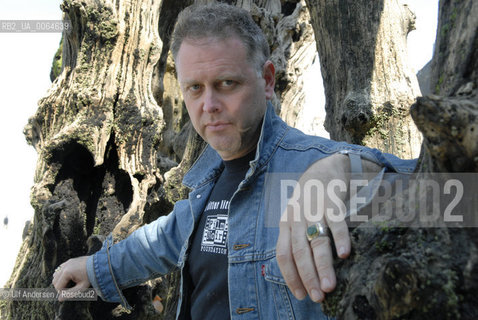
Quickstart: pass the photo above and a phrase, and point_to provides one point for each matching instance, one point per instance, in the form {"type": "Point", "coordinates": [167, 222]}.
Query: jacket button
{"type": "Point", "coordinates": [198, 196]}
{"type": "Point", "coordinates": [240, 246]}
{"type": "Point", "coordinates": [244, 310]}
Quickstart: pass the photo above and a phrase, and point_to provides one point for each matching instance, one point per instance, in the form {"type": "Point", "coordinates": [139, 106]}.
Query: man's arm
{"type": "Point", "coordinates": [150, 251]}
{"type": "Point", "coordinates": [307, 267]}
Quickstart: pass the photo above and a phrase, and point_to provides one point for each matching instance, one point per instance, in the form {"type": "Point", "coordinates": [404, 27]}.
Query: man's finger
{"type": "Point", "coordinates": [286, 264]}
{"type": "Point", "coordinates": [60, 280]}
{"type": "Point", "coordinates": [324, 262]}
{"type": "Point", "coordinates": [341, 236]}
{"type": "Point", "coordinates": [304, 262]}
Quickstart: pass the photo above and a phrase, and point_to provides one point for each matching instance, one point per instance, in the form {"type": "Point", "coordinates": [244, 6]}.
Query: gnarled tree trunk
{"type": "Point", "coordinates": [430, 270]}
{"type": "Point", "coordinates": [368, 84]}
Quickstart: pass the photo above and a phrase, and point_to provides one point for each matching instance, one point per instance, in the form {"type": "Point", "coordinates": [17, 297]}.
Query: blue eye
{"type": "Point", "coordinates": [195, 87]}
{"type": "Point", "coordinates": [227, 84]}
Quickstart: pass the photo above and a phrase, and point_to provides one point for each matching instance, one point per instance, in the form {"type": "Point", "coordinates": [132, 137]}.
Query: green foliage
{"type": "Point", "coordinates": [439, 83]}
{"type": "Point", "coordinates": [57, 62]}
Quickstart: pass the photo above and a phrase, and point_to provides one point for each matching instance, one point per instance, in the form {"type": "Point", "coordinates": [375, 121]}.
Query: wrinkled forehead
{"type": "Point", "coordinates": [209, 40]}
{"type": "Point", "coordinates": [212, 57]}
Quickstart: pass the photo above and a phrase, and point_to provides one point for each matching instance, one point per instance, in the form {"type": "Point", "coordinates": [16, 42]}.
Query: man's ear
{"type": "Point", "coordinates": [269, 75]}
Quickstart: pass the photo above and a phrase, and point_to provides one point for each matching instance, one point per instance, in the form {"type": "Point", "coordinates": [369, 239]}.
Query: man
{"type": "Point", "coordinates": [235, 259]}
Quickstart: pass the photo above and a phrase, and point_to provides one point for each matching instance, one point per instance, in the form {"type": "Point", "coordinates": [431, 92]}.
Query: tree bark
{"type": "Point", "coordinates": [102, 155]}
{"type": "Point", "coordinates": [297, 45]}
{"type": "Point", "coordinates": [368, 84]}
{"type": "Point", "coordinates": [455, 60]}
{"type": "Point", "coordinates": [423, 269]}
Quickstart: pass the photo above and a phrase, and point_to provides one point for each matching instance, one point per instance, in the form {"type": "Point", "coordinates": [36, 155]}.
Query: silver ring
{"type": "Point", "coordinates": [316, 230]}
{"type": "Point", "coordinates": [58, 269]}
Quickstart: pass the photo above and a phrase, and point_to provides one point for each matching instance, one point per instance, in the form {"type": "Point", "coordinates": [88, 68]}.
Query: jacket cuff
{"type": "Point", "coordinates": [102, 275]}
{"type": "Point", "coordinates": [90, 270]}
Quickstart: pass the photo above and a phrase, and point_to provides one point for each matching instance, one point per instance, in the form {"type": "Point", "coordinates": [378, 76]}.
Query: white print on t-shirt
{"type": "Point", "coordinates": [217, 205]}
{"type": "Point", "coordinates": [214, 237]}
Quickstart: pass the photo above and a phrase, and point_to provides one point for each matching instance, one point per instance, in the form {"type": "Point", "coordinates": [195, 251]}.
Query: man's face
{"type": "Point", "coordinates": [224, 95]}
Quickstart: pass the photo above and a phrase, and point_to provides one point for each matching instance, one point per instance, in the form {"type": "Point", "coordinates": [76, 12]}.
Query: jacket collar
{"type": "Point", "coordinates": [209, 164]}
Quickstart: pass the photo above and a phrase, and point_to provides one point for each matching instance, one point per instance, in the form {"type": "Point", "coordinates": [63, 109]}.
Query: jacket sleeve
{"type": "Point", "coordinates": [151, 251]}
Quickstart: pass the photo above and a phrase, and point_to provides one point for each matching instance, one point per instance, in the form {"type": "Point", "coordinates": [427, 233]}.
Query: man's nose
{"type": "Point", "coordinates": [211, 102]}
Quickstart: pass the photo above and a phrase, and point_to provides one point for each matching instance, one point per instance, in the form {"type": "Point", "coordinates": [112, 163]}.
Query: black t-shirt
{"type": "Point", "coordinates": [207, 261]}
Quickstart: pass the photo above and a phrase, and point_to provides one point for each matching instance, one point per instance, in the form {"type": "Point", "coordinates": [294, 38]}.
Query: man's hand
{"type": "Point", "coordinates": [307, 267]}
{"type": "Point", "coordinates": [73, 270]}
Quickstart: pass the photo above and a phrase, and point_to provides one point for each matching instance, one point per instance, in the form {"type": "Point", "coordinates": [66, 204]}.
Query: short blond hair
{"type": "Point", "coordinates": [221, 21]}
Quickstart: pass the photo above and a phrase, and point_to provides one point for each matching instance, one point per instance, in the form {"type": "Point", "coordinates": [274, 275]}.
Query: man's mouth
{"type": "Point", "coordinates": [217, 126]}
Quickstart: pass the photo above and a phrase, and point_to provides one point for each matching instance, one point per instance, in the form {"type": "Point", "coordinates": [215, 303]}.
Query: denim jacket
{"type": "Point", "coordinates": [257, 289]}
